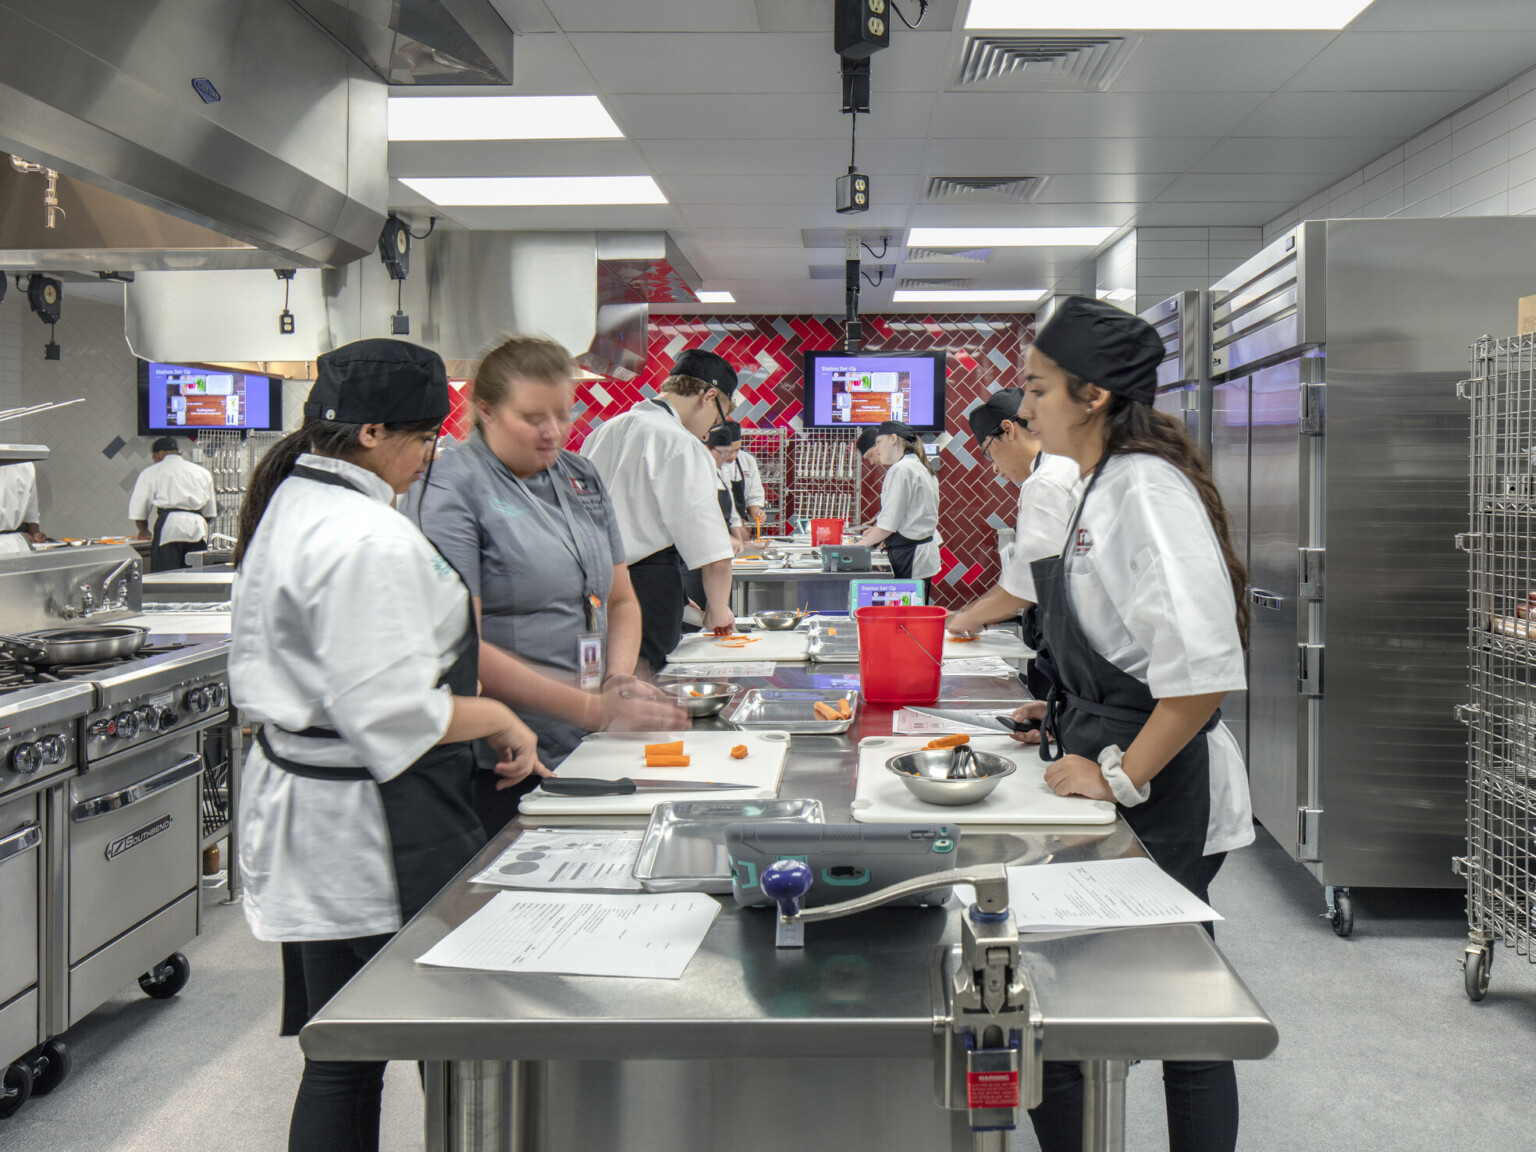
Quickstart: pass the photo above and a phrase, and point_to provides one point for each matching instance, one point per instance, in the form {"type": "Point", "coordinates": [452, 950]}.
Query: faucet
{"type": "Point", "coordinates": [88, 606]}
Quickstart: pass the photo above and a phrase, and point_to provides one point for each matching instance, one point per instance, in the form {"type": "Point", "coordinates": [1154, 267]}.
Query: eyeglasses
{"type": "Point", "coordinates": [986, 447]}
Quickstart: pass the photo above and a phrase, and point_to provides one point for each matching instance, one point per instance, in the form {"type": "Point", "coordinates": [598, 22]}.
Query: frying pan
{"type": "Point", "coordinates": [87, 645]}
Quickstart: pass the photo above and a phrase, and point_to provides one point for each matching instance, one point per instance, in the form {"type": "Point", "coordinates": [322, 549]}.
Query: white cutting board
{"type": "Point", "coordinates": [699, 648]}
{"type": "Point", "coordinates": [613, 755]}
{"type": "Point", "coordinates": [1023, 798]}
{"type": "Point", "coordinates": [1003, 645]}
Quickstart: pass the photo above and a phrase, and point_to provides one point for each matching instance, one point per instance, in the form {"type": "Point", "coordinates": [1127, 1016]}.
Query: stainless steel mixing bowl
{"type": "Point", "coordinates": [713, 695]}
{"type": "Point", "coordinates": [927, 774]}
{"type": "Point", "coordinates": [783, 620]}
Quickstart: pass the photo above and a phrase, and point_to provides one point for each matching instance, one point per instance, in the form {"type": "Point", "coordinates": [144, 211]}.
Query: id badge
{"type": "Point", "coordinates": [589, 660]}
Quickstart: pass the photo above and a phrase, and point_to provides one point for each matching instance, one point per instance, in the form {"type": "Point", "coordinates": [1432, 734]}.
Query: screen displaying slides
{"type": "Point", "coordinates": [194, 398]}
{"type": "Point", "coordinates": [858, 390]}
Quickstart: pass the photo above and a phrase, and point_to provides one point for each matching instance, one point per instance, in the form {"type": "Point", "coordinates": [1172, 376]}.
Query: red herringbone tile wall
{"type": "Point", "coordinates": [985, 353]}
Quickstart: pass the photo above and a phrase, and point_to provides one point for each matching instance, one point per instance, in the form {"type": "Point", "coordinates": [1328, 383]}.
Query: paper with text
{"type": "Point", "coordinates": [1100, 894]}
{"type": "Point", "coordinates": [648, 936]}
{"type": "Point", "coordinates": [575, 860]}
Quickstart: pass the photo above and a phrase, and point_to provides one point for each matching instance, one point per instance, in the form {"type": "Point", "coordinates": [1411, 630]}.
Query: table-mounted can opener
{"type": "Point", "coordinates": [988, 1027]}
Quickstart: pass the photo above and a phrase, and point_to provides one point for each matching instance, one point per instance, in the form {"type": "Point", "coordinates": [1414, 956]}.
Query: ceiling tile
{"type": "Point", "coordinates": [1054, 155]}
{"type": "Point", "coordinates": [1447, 60]}
{"type": "Point", "coordinates": [1022, 114]}
{"type": "Point", "coordinates": [677, 16]}
{"type": "Point", "coordinates": [1212, 215]}
{"type": "Point", "coordinates": [1398, 114]}
{"type": "Point", "coordinates": [752, 157]}
{"type": "Point", "coordinates": [1218, 61]}
{"type": "Point", "coordinates": [1021, 215]}
{"type": "Point", "coordinates": [1445, 16]}
{"type": "Point", "coordinates": [730, 188]}
{"type": "Point", "coordinates": [635, 216]}
{"type": "Point", "coordinates": [1228, 186]}
{"type": "Point", "coordinates": [765, 116]}
{"type": "Point", "coordinates": [1293, 154]}
{"type": "Point", "coordinates": [790, 215]}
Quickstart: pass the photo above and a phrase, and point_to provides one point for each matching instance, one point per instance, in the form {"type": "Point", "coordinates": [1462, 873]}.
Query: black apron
{"type": "Point", "coordinates": [693, 578]}
{"type": "Point", "coordinates": [902, 551]}
{"type": "Point", "coordinates": [1091, 704]}
{"type": "Point", "coordinates": [168, 557]}
{"type": "Point", "coordinates": [738, 489]}
{"type": "Point", "coordinates": [428, 808]}
{"type": "Point", "coordinates": [658, 583]}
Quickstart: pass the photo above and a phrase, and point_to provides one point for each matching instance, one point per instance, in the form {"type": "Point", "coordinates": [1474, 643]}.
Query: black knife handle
{"type": "Point", "coordinates": [1018, 725]}
{"type": "Point", "coordinates": [586, 786]}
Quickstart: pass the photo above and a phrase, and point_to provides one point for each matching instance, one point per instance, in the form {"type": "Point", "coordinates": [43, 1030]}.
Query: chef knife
{"type": "Point", "coordinates": [624, 786]}
{"type": "Point", "coordinates": [978, 720]}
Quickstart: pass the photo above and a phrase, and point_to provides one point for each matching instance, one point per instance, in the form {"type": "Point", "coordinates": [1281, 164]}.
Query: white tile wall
{"type": "Point", "coordinates": [1169, 260]}
{"type": "Point", "coordinates": [1480, 161]}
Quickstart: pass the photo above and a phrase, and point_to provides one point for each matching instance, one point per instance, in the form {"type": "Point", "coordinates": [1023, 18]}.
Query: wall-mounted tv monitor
{"type": "Point", "coordinates": [184, 399]}
{"type": "Point", "coordinates": [856, 390]}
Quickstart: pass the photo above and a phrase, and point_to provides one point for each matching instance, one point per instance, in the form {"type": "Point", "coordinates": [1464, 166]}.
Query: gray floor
{"type": "Point", "coordinates": [1380, 1049]}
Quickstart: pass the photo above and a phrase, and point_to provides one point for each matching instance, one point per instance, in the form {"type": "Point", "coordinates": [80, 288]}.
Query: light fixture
{"type": "Point", "coordinates": [530, 191]}
{"type": "Point", "coordinates": [500, 118]}
{"type": "Point", "coordinates": [1008, 237]}
{"type": "Point", "coordinates": [1168, 15]}
{"type": "Point", "coordinates": [715, 298]}
{"type": "Point", "coordinates": [966, 295]}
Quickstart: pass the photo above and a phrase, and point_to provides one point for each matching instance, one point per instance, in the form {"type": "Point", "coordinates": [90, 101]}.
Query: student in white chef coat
{"type": "Point", "coordinates": [354, 653]}
{"type": "Point", "coordinates": [176, 497]}
{"type": "Point", "coordinates": [1046, 502]}
{"type": "Point", "coordinates": [664, 484]}
{"type": "Point", "coordinates": [908, 524]}
{"type": "Point", "coordinates": [1142, 613]}
{"type": "Point", "coordinates": [738, 468]}
{"type": "Point", "coordinates": [19, 527]}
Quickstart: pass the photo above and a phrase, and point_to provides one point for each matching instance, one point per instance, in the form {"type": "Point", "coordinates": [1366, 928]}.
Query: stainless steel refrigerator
{"type": "Point", "coordinates": [1183, 378]}
{"type": "Point", "coordinates": [1340, 447]}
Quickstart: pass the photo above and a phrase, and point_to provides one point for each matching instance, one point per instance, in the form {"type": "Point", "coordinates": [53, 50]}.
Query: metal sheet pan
{"type": "Point", "coordinates": [684, 845]}
{"type": "Point", "coordinates": [790, 710]}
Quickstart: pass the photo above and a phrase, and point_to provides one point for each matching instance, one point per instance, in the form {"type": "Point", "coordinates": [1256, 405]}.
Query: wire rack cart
{"type": "Point", "coordinates": [1501, 714]}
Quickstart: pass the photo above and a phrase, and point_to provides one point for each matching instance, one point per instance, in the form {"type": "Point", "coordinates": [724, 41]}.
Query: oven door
{"type": "Point", "coordinates": [21, 837]}
{"type": "Point", "coordinates": [133, 843]}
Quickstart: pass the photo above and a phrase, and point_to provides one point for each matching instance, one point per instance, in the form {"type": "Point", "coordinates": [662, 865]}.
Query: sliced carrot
{"type": "Point", "coordinates": [739, 752]}
{"type": "Point", "coordinates": [831, 631]}
{"type": "Point", "coordinates": [964, 639]}
{"type": "Point", "coordinates": [844, 709]}
{"type": "Point", "coordinates": [694, 692]}
{"type": "Point", "coordinates": [675, 748]}
{"type": "Point", "coordinates": [947, 742]}
{"type": "Point", "coordinates": [826, 711]}
{"type": "Point", "coordinates": [667, 761]}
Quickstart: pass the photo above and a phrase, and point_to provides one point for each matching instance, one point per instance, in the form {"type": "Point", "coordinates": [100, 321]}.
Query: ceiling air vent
{"type": "Point", "coordinates": [985, 189]}
{"type": "Point", "coordinates": [947, 255]}
{"type": "Point", "coordinates": [1042, 63]}
{"type": "Point", "coordinates": [933, 285]}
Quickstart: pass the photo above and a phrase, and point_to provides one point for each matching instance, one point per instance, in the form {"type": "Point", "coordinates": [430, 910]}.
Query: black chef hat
{"type": "Point", "coordinates": [379, 382]}
{"type": "Point", "coordinates": [866, 439]}
{"type": "Point", "coordinates": [987, 418]}
{"type": "Point", "coordinates": [708, 367]}
{"type": "Point", "coordinates": [723, 435]}
{"type": "Point", "coordinates": [1104, 345]}
{"type": "Point", "coordinates": [165, 444]}
{"type": "Point", "coordinates": [898, 429]}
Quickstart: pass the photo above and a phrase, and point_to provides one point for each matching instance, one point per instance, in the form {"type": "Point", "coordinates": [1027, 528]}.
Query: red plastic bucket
{"type": "Point", "coordinates": [827, 531]}
{"type": "Point", "coordinates": [900, 654]}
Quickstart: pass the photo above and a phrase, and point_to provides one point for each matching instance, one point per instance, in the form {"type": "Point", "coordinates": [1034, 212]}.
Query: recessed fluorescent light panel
{"type": "Point", "coordinates": [1008, 237]}
{"type": "Point", "coordinates": [1166, 15]}
{"type": "Point", "coordinates": [715, 298]}
{"type": "Point", "coordinates": [967, 296]}
{"type": "Point", "coordinates": [532, 191]}
{"type": "Point", "coordinates": [500, 118]}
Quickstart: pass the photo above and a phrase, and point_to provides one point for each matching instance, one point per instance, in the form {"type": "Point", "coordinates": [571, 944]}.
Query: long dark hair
{"type": "Point", "coordinates": [317, 437]}
{"type": "Point", "coordinates": [1130, 426]}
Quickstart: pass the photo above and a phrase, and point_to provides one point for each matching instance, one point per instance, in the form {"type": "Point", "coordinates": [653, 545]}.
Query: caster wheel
{"type": "Point", "coordinates": [167, 978]}
{"type": "Point", "coordinates": [15, 1088]}
{"type": "Point", "coordinates": [1477, 965]}
{"type": "Point", "coordinates": [1343, 916]}
{"type": "Point", "coordinates": [51, 1065]}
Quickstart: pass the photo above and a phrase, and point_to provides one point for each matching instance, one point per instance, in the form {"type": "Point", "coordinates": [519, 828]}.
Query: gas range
{"type": "Point", "coordinates": [40, 734]}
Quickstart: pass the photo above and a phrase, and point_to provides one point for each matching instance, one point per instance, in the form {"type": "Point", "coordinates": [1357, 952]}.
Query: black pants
{"type": "Point", "coordinates": [658, 584]}
{"type": "Point", "coordinates": [337, 1108]}
{"type": "Point", "coordinates": [1201, 1097]}
{"type": "Point", "coordinates": [497, 809]}
{"type": "Point", "coordinates": [171, 557]}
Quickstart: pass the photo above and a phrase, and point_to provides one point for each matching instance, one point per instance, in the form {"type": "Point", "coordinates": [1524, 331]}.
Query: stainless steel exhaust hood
{"type": "Point", "coordinates": [591, 291]}
{"type": "Point", "coordinates": [186, 135]}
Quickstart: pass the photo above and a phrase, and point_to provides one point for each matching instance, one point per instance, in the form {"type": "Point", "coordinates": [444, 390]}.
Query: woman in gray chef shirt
{"type": "Point", "coordinates": [530, 529]}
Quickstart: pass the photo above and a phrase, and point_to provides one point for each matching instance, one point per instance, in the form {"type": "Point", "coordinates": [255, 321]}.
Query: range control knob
{"type": "Point", "coordinates": [196, 700]}
{"type": "Point", "coordinates": [219, 694]}
{"type": "Point", "coordinates": [125, 725]}
{"type": "Point", "coordinates": [26, 758]}
{"type": "Point", "coordinates": [54, 749]}
{"type": "Point", "coordinates": [148, 717]}
{"type": "Point", "coordinates": [168, 719]}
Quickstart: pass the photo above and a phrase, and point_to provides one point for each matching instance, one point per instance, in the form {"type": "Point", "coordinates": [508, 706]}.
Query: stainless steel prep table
{"type": "Point", "coordinates": [759, 1049]}
{"type": "Point", "coordinates": [771, 589]}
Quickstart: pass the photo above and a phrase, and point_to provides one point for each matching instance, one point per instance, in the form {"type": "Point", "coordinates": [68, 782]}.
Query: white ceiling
{"type": "Point", "coordinates": [733, 106]}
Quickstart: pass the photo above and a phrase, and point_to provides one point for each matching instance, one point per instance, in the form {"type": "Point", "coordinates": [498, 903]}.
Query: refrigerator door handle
{"type": "Point", "coordinates": [1262, 599]}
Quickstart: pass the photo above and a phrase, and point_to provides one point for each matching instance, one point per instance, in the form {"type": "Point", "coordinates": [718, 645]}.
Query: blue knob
{"type": "Point", "coordinates": [785, 882]}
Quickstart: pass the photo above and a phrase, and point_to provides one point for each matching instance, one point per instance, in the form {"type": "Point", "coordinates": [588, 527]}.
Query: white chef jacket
{"type": "Point", "coordinates": [1047, 499]}
{"type": "Point", "coordinates": [663, 482]}
{"type": "Point", "coordinates": [1153, 596]}
{"type": "Point", "coordinates": [18, 505]}
{"type": "Point", "coordinates": [909, 504]}
{"type": "Point", "coordinates": [345, 617]}
{"type": "Point", "coordinates": [179, 484]}
{"type": "Point", "coordinates": [752, 478]}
